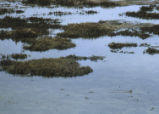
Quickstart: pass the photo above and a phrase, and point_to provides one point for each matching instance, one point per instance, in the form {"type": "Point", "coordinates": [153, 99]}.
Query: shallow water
{"type": "Point", "coordinates": [120, 84]}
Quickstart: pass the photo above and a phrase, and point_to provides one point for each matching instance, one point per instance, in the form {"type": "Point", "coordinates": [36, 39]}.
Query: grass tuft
{"type": "Point", "coordinates": [60, 67]}
{"type": "Point", "coordinates": [47, 43]}
{"type": "Point", "coordinates": [18, 56]}
{"type": "Point", "coordinates": [152, 51]}
{"type": "Point", "coordinates": [114, 45]}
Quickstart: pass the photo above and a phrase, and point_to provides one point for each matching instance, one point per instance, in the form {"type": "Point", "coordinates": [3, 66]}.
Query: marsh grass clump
{"type": "Point", "coordinates": [57, 67]}
{"type": "Point", "coordinates": [4, 11]}
{"type": "Point", "coordinates": [85, 30]}
{"type": "Point", "coordinates": [152, 29]}
{"type": "Point", "coordinates": [32, 22]}
{"type": "Point", "coordinates": [116, 50]}
{"type": "Point", "coordinates": [23, 35]}
{"type": "Point", "coordinates": [26, 29]}
{"type": "Point", "coordinates": [19, 11]}
{"type": "Point", "coordinates": [60, 13]}
{"type": "Point", "coordinates": [4, 34]}
{"type": "Point", "coordinates": [104, 28]}
{"type": "Point", "coordinates": [143, 15]}
{"type": "Point", "coordinates": [47, 43]}
{"type": "Point", "coordinates": [73, 3]}
{"type": "Point", "coordinates": [147, 8]}
{"type": "Point", "coordinates": [43, 21]}
{"type": "Point", "coordinates": [92, 58]}
{"type": "Point", "coordinates": [133, 33]}
{"type": "Point", "coordinates": [145, 45]}
{"type": "Point", "coordinates": [91, 12]}
{"type": "Point", "coordinates": [145, 12]}
{"type": "Point", "coordinates": [18, 56]}
{"type": "Point", "coordinates": [157, 8]}
{"type": "Point", "coordinates": [12, 22]}
{"type": "Point", "coordinates": [108, 4]}
{"type": "Point", "coordinates": [86, 3]}
{"type": "Point", "coordinates": [152, 51]}
{"type": "Point", "coordinates": [114, 45]}
{"type": "Point", "coordinates": [38, 2]}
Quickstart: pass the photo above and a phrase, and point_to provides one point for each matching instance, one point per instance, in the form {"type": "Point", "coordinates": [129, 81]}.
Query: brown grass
{"type": "Point", "coordinates": [47, 43]}
{"type": "Point", "coordinates": [61, 67]}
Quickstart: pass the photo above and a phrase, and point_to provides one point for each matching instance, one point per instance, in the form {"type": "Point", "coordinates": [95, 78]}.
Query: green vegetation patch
{"type": "Point", "coordinates": [92, 58]}
{"type": "Point", "coordinates": [58, 67]}
{"type": "Point", "coordinates": [19, 11]}
{"type": "Point", "coordinates": [145, 45]}
{"type": "Point", "coordinates": [152, 51]}
{"type": "Point", "coordinates": [60, 13]}
{"type": "Point", "coordinates": [47, 43]}
{"type": "Point", "coordinates": [85, 30]}
{"type": "Point", "coordinates": [32, 22]}
{"type": "Point", "coordinates": [4, 11]}
{"type": "Point", "coordinates": [114, 45]}
{"type": "Point", "coordinates": [90, 3]}
{"type": "Point", "coordinates": [91, 12]}
{"type": "Point", "coordinates": [151, 29]}
{"type": "Point", "coordinates": [145, 12]}
{"type": "Point", "coordinates": [102, 28]}
{"type": "Point", "coordinates": [73, 3]}
{"type": "Point", "coordinates": [38, 2]}
{"type": "Point", "coordinates": [19, 56]}
{"type": "Point", "coordinates": [133, 32]}
{"type": "Point", "coordinates": [26, 29]}
{"type": "Point", "coordinates": [23, 35]}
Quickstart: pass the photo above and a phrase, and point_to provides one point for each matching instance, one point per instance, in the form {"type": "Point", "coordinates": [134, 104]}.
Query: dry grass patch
{"type": "Point", "coordinates": [152, 51]}
{"type": "Point", "coordinates": [47, 43]}
{"type": "Point", "coordinates": [102, 28]}
{"type": "Point", "coordinates": [73, 3]}
{"type": "Point", "coordinates": [60, 67]}
{"type": "Point", "coordinates": [19, 56]}
{"type": "Point", "coordinates": [114, 45]}
{"type": "Point", "coordinates": [145, 12]}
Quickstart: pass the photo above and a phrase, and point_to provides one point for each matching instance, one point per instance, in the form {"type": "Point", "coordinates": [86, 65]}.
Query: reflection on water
{"type": "Point", "coordinates": [103, 91]}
